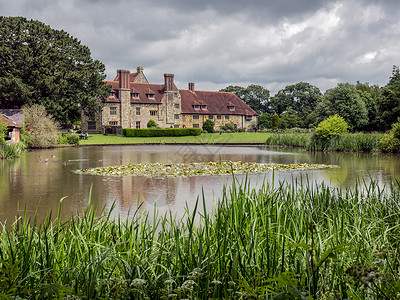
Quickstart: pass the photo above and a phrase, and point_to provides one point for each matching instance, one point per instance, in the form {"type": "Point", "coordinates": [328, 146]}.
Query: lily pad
{"type": "Point", "coordinates": [195, 169]}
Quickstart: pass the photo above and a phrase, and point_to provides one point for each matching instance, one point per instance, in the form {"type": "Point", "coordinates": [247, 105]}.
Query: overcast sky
{"type": "Point", "coordinates": [216, 43]}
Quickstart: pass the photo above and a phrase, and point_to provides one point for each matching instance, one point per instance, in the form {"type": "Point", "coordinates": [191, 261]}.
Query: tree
{"type": "Point", "coordinates": [255, 96]}
{"type": "Point", "coordinates": [345, 101]}
{"type": "Point", "coordinates": [208, 126]}
{"type": "Point", "coordinates": [151, 124]}
{"type": "Point", "coordinates": [291, 119]}
{"type": "Point", "coordinates": [302, 97]}
{"type": "Point", "coordinates": [265, 121]}
{"type": "Point", "coordinates": [41, 65]}
{"type": "Point", "coordinates": [388, 105]}
{"type": "Point", "coordinates": [370, 95]}
{"type": "Point", "coordinates": [332, 126]}
{"type": "Point", "coordinates": [275, 121]}
{"type": "Point", "coordinates": [44, 130]}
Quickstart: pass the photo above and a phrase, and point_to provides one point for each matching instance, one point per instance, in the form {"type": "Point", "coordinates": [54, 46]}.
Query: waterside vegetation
{"type": "Point", "coordinates": [283, 241]}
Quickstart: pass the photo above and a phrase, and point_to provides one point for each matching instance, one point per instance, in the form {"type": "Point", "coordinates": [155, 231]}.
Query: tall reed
{"type": "Point", "coordinates": [288, 239]}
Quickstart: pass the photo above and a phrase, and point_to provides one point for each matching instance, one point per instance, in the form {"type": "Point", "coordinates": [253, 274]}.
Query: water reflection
{"type": "Point", "coordinates": [39, 179]}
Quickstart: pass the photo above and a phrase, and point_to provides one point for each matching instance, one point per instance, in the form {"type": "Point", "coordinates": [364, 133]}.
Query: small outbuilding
{"type": "Point", "coordinates": [14, 130]}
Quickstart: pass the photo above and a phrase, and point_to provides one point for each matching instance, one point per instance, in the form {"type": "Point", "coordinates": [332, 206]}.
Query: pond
{"type": "Point", "coordinates": [40, 178]}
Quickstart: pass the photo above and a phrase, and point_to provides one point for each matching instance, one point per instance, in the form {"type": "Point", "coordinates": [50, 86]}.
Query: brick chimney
{"type": "Point", "coordinates": [123, 76]}
{"type": "Point", "coordinates": [169, 82]}
{"type": "Point", "coordinates": [191, 86]}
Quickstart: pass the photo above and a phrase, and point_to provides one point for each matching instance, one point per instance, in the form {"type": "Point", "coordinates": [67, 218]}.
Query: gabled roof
{"type": "Point", "coordinates": [217, 103]}
{"type": "Point", "coordinates": [143, 89]}
{"type": "Point", "coordinates": [9, 122]}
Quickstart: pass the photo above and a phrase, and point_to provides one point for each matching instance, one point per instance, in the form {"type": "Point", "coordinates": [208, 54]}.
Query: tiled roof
{"type": "Point", "coordinates": [217, 103]}
{"type": "Point", "coordinates": [10, 123]}
{"type": "Point", "coordinates": [143, 89]}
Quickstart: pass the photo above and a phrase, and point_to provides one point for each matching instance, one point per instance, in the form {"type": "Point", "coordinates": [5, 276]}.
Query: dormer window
{"type": "Point", "coordinates": [112, 94]}
{"type": "Point", "coordinates": [135, 95]}
{"type": "Point", "coordinates": [204, 107]}
{"type": "Point", "coordinates": [196, 106]}
{"type": "Point", "coordinates": [151, 96]}
{"type": "Point", "coordinates": [231, 108]}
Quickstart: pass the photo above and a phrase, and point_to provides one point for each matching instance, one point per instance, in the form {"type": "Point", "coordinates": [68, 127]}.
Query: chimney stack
{"type": "Point", "coordinates": [123, 76]}
{"type": "Point", "coordinates": [191, 86]}
{"type": "Point", "coordinates": [169, 81]}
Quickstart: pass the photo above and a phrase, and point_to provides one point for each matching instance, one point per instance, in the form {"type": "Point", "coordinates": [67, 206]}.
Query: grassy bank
{"type": "Point", "coordinates": [205, 138]}
{"type": "Point", "coordinates": [352, 142]}
{"type": "Point", "coordinates": [290, 241]}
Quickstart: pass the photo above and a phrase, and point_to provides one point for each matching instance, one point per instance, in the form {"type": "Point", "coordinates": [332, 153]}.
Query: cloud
{"type": "Point", "coordinates": [218, 43]}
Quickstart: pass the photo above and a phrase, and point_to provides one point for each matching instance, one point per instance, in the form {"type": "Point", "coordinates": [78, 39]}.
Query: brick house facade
{"type": "Point", "coordinates": [133, 101]}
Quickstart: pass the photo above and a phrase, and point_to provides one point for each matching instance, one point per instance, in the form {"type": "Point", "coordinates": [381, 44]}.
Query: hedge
{"type": "Point", "coordinates": [153, 132]}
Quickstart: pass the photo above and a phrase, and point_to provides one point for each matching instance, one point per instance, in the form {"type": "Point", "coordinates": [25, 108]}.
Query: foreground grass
{"type": "Point", "coordinates": [205, 138]}
{"type": "Point", "coordinates": [284, 242]}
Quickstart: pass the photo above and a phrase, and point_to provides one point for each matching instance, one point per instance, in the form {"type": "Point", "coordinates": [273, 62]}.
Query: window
{"type": "Point", "coordinates": [138, 124]}
{"type": "Point", "coordinates": [135, 95]}
{"type": "Point", "coordinates": [113, 123]}
{"type": "Point", "coordinates": [113, 110]}
{"type": "Point", "coordinates": [204, 107]}
{"type": "Point", "coordinates": [151, 96]}
{"type": "Point", "coordinates": [196, 126]}
{"type": "Point", "coordinates": [176, 126]}
{"type": "Point", "coordinates": [248, 118]}
{"type": "Point", "coordinates": [219, 117]}
{"type": "Point", "coordinates": [176, 105]}
{"type": "Point", "coordinates": [196, 117]}
{"type": "Point", "coordinates": [153, 113]}
{"type": "Point", "coordinates": [176, 116]}
{"type": "Point", "coordinates": [138, 111]}
{"type": "Point", "coordinates": [91, 125]}
{"type": "Point", "coordinates": [196, 107]}
{"type": "Point", "coordinates": [227, 117]}
{"type": "Point", "coordinates": [112, 94]}
{"type": "Point", "coordinates": [231, 108]}
{"type": "Point", "coordinates": [210, 117]}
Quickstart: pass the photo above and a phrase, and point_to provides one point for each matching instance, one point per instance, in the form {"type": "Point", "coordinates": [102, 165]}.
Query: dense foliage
{"type": "Point", "coordinates": [151, 124]}
{"type": "Point", "coordinates": [208, 126]}
{"type": "Point", "coordinates": [42, 127]}
{"type": "Point", "coordinates": [41, 65]}
{"type": "Point", "coordinates": [151, 132]}
{"type": "Point", "coordinates": [333, 126]}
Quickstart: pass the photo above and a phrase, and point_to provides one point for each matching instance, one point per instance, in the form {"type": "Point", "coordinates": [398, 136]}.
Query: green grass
{"type": "Point", "coordinates": [293, 241]}
{"type": "Point", "coordinates": [205, 138]}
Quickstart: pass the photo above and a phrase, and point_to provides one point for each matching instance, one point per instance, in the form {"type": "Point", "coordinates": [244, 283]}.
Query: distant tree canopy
{"type": "Point", "coordinates": [41, 65]}
{"type": "Point", "coordinates": [255, 96]}
{"type": "Point", "coordinates": [301, 99]}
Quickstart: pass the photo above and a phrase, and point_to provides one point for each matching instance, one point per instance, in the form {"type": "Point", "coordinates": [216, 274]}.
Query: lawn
{"type": "Point", "coordinates": [205, 138]}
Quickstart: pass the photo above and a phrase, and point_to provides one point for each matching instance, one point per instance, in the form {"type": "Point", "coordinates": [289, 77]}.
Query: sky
{"type": "Point", "coordinates": [217, 43]}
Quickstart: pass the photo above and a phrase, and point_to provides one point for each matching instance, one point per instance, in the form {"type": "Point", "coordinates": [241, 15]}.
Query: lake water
{"type": "Point", "coordinates": [39, 179]}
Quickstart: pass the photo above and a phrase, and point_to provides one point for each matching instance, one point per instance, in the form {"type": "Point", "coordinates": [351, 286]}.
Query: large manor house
{"type": "Point", "coordinates": [134, 101]}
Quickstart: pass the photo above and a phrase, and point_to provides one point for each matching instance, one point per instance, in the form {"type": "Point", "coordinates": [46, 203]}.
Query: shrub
{"type": "Point", "coordinates": [44, 130]}
{"type": "Point", "coordinates": [209, 126]}
{"type": "Point", "coordinates": [275, 121]}
{"type": "Point", "coordinates": [154, 132]}
{"type": "Point", "coordinates": [396, 129]}
{"type": "Point", "coordinates": [3, 132]}
{"type": "Point", "coordinates": [151, 124]}
{"type": "Point", "coordinates": [68, 139]}
{"type": "Point", "coordinates": [332, 126]}
{"type": "Point", "coordinates": [391, 142]}
{"type": "Point", "coordinates": [229, 127]}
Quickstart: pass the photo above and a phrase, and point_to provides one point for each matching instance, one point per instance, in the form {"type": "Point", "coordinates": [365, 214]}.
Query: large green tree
{"type": "Point", "coordinates": [345, 101]}
{"type": "Point", "coordinates": [370, 95]}
{"type": "Point", "coordinates": [41, 65]}
{"type": "Point", "coordinates": [388, 105]}
{"type": "Point", "coordinates": [255, 96]}
{"type": "Point", "coordinates": [301, 97]}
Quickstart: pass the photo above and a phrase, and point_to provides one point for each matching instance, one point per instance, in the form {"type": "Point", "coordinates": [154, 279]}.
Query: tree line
{"type": "Point", "coordinates": [363, 106]}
